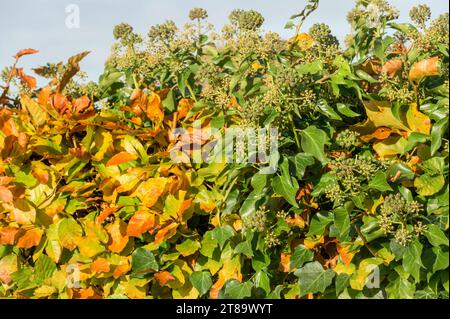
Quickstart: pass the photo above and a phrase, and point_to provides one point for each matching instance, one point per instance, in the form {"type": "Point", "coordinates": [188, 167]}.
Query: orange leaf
{"type": "Point", "coordinates": [122, 268]}
{"type": "Point", "coordinates": [6, 195]}
{"type": "Point", "coordinates": [424, 68]}
{"type": "Point", "coordinates": [85, 293]}
{"type": "Point", "coordinates": [163, 277]}
{"type": "Point", "coordinates": [81, 104]}
{"type": "Point", "coordinates": [105, 213]}
{"type": "Point", "coordinates": [380, 133]}
{"type": "Point", "coordinates": [345, 254]}
{"type": "Point", "coordinates": [184, 106]}
{"type": "Point", "coordinates": [8, 235]}
{"type": "Point", "coordinates": [141, 222]}
{"type": "Point", "coordinates": [285, 260]}
{"type": "Point", "coordinates": [166, 233]}
{"type": "Point", "coordinates": [118, 236]}
{"type": "Point", "coordinates": [25, 52]}
{"type": "Point", "coordinates": [154, 108]}
{"type": "Point", "coordinates": [100, 265]}
{"type": "Point", "coordinates": [31, 238]}
{"type": "Point", "coordinates": [392, 67]}
{"type": "Point", "coordinates": [121, 158]}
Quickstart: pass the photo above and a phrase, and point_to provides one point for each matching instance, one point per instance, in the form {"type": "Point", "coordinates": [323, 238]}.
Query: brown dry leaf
{"type": "Point", "coordinates": [121, 158]}
{"type": "Point", "coordinates": [163, 277]}
{"type": "Point", "coordinates": [100, 265]}
{"type": "Point", "coordinates": [73, 68]}
{"type": "Point", "coordinates": [25, 52]}
{"type": "Point", "coordinates": [424, 68]}
{"type": "Point", "coordinates": [31, 238]}
{"type": "Point", "coordinates": [392, 67]}
{"type": "Point", "coordinates": [141, 222]}
{"type": "Point", "coordinates": [118, 236]}
{"type": "Point", "coordinates": [8, 235]}
{"type": "Point", "coordinates": [6, 195]}
{"type": "Point", "coordinates": [61, 103]}
{"type": "Point", "coordinates": [81, 104]}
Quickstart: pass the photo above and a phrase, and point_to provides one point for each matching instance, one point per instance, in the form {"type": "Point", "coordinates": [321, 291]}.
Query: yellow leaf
{"type": "Point", "coordinates": [38, 114]}
{"type": "Point", "coordinates": [417, 121]}
{"type": "Point", "coordinates": [390, 147]}
{"type": "Point", "coordinates": [150, 190]}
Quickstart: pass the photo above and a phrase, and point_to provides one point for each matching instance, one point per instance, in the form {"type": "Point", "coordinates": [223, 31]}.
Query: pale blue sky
{"type": "Point", "coordinates": [40, 24]}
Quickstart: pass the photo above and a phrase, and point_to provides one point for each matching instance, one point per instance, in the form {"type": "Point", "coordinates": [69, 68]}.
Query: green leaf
{"type": "Point", "coordinates": [341, 222]}
{"type": "Point", "coordinates": [313, 278]}
{"type": "Point", "coordinates": [300, 162]}
{"type": "Point", "coordinates": [313, 141]}
{"type": "Point", "coordinates": [262, 280]}
{"type": "Point", "coordinates": [237, 290]}
{"type": "Point", "coordinates": [143, 261]}
{"type": "Point", "coordinates": [222, 234]}
{"type": "Point", "coordinates": [201, 280]}
{"type": "Point", "coordinates": [285, 185]}
{"type": "Point", "coordinates": [412, 261]}
{"type": "Point", "coordinates": [437, 131]}
{"type": "Point", "coordinates": [379, 182]}
{"type": "Point", "coordinates": [245, 248]}
{"type": "Point", "coordinates": [44, 268]}
{"type": "Point", "coordinates": [406, 173]}
{"type": "Point", "coordinates": [441, 261]}
{"type": "Point", "coordinates": [436, 236]}
{"type": "Point", "coordinates": [188, 247]}
{"type": "Point", "coordinates": [327, 110]}
{"type": "Point", "coordinates": [346, 110]}
{"type": "Point", "coordinates": [319, 222]}
{"type": "Point", "coordinates": [300, 256]}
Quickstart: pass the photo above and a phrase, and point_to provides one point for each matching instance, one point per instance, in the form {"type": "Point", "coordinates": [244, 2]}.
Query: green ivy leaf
{"type": "Point", "coordinates": [300, 256]}
{"type": "Point", "coordinates": [313, 278]}
{"type": "Point", "coordinates": [201, 280]}
{"type": "Point", "coordinates": [412, 261]}
{"type": "Point", "coordinates": [436, 236]}
{"type": "Point", "coordinates": [313, 141]}
{"type": "Point", "coordinates": [222, 234]}
{"type": "Point", "coordinates": [379, 182]}
{"type": "Point", "coordinates": [143, 261]}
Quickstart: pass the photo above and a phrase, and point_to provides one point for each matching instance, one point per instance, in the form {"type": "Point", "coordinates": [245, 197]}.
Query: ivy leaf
{"type": "Point", "coordinates": [201, 280]}
{"type": "Point", "coordinates": [286, 186]}
{"type": "Point", "coordinates": [427, 185]}
{"type": "Point", "coordinates": [188, 247]}
{"type": "Point", "coordinates": [300, 256]}
{"type": "Point", "coordinates": [327, 110]}
{"type": "Point", "coordinates": [222, 234]}
{"type": "Point", "coordinates": [319, 222]}
{"type": "Point", "coordinates": [379, 182]}
{"type": "Point", "coordinates": [143, 261]}
{"type": "Point", "coordinates": [237, 290]}
{"type": "Point", "coordinates": [412, 261]}
{"type": "Point", "coordinates": [313, 278]}
{"type": "Point", "coordinates": [436, 236]}
{"type": "Point", "coordinates": [313, 141]}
